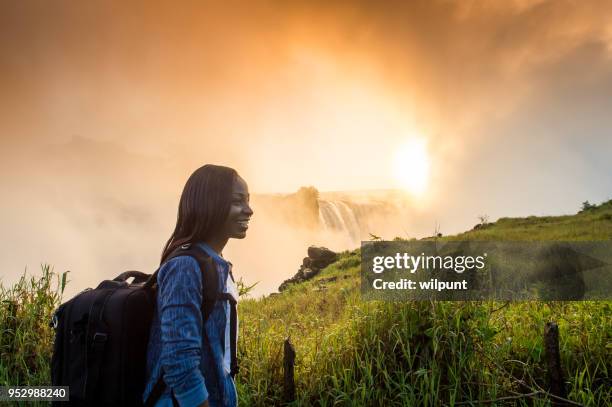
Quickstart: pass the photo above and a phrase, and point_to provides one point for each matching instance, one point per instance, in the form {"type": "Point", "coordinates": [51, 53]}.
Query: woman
{"type": "Point", "coordinates": [193, 357]}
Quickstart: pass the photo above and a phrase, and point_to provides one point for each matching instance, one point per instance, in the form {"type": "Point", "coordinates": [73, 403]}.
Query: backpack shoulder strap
{"type": "Point", "coordinates": [210, 276]}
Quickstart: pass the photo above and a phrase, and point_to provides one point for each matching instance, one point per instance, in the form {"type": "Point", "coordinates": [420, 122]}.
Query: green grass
{"type": "Point", "coordinates": [591, 224]}
{"type": "Point", "coordinates": [351, 352]}
{"type": "Point", "coordinates": [26, 339]}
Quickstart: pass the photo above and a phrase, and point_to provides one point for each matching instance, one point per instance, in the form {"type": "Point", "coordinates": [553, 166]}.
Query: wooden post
{"type": "Point", "coordinates": [556, 384]}
{"type": "Point", "coordinates": [288, 364]}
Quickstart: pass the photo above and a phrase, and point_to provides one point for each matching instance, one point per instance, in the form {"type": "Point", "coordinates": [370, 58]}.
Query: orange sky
{"type": "Point", "coordinates": [105, 104]}
{"type": "Point", "coordinates": [262, 84]}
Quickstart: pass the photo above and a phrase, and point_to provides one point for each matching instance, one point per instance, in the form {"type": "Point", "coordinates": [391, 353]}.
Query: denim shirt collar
{"type": "Point", "coordinates": [218, 259]}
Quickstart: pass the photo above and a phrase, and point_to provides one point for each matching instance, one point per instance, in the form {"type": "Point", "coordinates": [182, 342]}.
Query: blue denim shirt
{"type": "Point", "coordinates": [193, 367]}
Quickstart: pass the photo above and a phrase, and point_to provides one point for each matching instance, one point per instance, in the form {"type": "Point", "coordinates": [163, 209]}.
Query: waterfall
{"type": "Point", "coordinates": [339, 216]}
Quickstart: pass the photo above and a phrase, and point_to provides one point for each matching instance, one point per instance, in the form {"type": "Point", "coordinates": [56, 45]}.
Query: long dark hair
{"type": "Point", "coordinates": [204, 206]}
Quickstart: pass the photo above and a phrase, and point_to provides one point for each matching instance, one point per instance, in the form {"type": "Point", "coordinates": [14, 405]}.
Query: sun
{"type": "Point", "coordinates": [411, 165]}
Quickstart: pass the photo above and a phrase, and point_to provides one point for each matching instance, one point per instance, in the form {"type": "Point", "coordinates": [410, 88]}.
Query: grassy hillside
{"type": "Point", "coordinates": [594, 223]}
{"type": "Point", "coordinates": [351, 352]}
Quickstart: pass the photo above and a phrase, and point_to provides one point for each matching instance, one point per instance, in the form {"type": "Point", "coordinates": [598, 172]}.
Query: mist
{"type": "Point", "coordinates": [107, 107]}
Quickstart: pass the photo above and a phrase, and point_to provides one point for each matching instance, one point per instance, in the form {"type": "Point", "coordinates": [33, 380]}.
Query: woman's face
{"type": "Point", "coordinates": [240, 212]}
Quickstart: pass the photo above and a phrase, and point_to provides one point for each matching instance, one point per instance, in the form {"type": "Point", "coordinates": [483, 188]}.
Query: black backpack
{"type": "Point", "coordinates": [101, 336]}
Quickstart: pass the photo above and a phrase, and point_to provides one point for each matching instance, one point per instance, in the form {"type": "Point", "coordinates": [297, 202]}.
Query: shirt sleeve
{"type": "Point", "coordinates": [179, 301]}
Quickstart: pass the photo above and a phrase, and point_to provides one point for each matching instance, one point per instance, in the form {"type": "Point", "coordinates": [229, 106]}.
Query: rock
{"type": "Point", "coordinates": [322, 253]}
{"type": "Point", "coordinates": [307, 262]}
{"type": "Point", "coordinates": [318, 258]}
{"type": "Point", "coordinates": [320, 263]}
{"type": "Point", "coordinates": [284, 285]}
{"type": "Point", "coordinates": [321, 257]}
{"type": "Point", "coordinates": [310, 273]}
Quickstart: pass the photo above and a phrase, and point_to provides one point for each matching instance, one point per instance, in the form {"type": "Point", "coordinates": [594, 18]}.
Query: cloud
{"type": "Point", "coordinates": [107, 107]}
